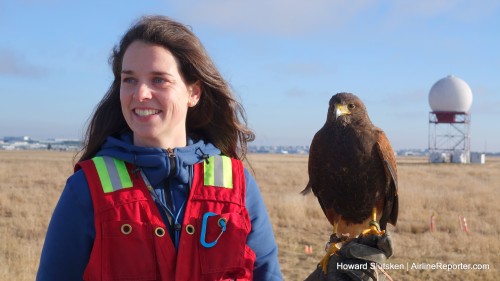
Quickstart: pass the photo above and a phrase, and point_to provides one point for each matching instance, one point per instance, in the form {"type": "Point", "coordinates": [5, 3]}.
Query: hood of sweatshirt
{"type": "Point", "coordinates": [156, 162]}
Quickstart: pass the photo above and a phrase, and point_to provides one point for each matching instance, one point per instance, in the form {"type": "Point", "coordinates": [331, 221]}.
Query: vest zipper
{"type": "Point", "coordinates": [176, 226]}
{"type": "Point", "coordinates": [171, 158]}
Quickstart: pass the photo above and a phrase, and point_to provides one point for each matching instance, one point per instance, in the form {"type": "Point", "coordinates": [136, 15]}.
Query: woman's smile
{"type": "Point", "coordinates": [146, 112]}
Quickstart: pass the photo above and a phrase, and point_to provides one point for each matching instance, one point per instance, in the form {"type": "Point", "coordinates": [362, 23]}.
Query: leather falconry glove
{"type": "Point", "coordinates": [358, 260]}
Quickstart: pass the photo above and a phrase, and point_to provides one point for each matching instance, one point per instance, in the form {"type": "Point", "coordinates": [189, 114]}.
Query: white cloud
{"type": "Point", "coordinates": [299, 69]}
{"type": "Point", "coordinates": [284, 17]}
{"type": "Point", "coordinates": [462, 10]}
{"type": "Point", "coordinates": [299, 17]}
{"type": "Point", "coordinates": [13, 64]}
{"type": "Point", "coordinates": [296, 93]}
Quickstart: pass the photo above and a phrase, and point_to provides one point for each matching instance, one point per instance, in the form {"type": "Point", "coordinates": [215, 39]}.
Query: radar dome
{"type": "Point", "coordinates": [450, 94]}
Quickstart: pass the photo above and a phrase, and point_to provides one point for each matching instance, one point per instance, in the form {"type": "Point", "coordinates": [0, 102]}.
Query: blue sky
{"type": "Point", "coordinates": [283, 58]}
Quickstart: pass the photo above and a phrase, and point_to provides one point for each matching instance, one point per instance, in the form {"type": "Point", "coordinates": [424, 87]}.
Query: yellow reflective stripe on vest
{"type": "Point", "coordinates": [112, 173]}
{"type": "Point", "coordinates": [218, 171]}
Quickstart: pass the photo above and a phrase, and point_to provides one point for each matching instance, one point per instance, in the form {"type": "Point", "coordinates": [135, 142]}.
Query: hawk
{"type": "Point", "coordinates": [352, 171]}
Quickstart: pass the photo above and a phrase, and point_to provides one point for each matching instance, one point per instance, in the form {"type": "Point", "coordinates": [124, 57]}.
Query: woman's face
{"type": "Point", "coordinates": [154, 97]}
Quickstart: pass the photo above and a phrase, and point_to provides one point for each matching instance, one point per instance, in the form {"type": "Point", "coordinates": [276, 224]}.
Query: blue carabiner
{"type": "Point", "coordinates": [222, 225]}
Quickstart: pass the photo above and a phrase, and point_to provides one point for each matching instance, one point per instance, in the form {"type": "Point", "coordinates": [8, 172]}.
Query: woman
{"type": "Point", "coordinates": [159, 192]}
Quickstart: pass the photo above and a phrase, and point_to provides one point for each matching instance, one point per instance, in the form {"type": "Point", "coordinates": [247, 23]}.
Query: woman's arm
{"type": "Point", "coordinates": [261, 238]}
{"type": "Point", "coordinates": [70, 235]}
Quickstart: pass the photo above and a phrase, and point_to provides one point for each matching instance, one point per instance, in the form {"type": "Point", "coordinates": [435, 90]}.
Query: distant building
{"type": "Point", "coordinates": [27, 143]}
{"type": "Point", "coordinates": [476, 157]}
{"type": "Point", "coordinates": [16, 139]}
{"type": "Point", "coordinates": [450, 99]}
{"type": "Point", "coordinates": [280, 149]}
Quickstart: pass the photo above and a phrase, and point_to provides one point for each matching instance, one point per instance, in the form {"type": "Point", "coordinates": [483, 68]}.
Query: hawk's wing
{"type": "Point", "coordinates": [391, 205]}
{"type": "Point", "coordinates": [312, 165]}
{"type": "Point", "coordinates": [316, 168]}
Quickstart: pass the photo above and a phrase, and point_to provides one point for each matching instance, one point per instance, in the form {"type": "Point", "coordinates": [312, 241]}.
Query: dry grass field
{"type": "Point", "coordinates": [31, 182]}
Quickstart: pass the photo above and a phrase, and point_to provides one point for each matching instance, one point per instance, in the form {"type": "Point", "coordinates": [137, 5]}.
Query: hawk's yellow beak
{"type": "Point", "coordinates": [341, 109]}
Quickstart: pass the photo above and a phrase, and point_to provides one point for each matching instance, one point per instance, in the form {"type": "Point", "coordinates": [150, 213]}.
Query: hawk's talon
{"type": "Point", "coordinates": [374, 229]}
{"type": "Point", "coordinates": [374, 226]}
{"type": "Point", "coordinates": [332, 250]}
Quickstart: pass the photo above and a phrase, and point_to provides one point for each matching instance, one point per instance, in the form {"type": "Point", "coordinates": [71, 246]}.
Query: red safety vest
{"type": "Point", "coordinates": [131, 240]}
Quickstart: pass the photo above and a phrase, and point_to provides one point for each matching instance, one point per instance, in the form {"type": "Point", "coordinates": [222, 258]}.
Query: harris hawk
{"type": "Point", "coordinates": [352, 172]}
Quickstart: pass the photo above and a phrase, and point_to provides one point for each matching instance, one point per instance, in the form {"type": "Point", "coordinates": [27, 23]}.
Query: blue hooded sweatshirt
{"type": "Point", "coordinates": [71, 231]}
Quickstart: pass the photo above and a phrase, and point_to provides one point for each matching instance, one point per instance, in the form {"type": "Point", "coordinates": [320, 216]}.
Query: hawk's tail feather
{"type": "Point", "coordinates": [306, 190]}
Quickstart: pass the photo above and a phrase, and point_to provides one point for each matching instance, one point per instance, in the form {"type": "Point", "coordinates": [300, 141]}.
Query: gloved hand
{"type": "Point", "coordinates": [357, 260]}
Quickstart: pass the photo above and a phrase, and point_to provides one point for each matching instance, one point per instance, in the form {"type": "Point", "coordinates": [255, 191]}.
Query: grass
{"type": "Point", "coordinates": [31, 183]}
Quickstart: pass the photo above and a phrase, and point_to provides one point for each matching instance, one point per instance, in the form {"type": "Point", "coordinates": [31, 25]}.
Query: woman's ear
{"type": "Point", "coordinates": [194, 94]}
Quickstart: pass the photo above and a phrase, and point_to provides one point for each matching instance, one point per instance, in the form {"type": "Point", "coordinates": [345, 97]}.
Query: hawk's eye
{"type": "Point", "coordinates": [351, 106]}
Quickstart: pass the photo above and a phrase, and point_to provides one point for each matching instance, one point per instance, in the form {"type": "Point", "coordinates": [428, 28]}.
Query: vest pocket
{"type": "Point", "coordinates": [227, 256]}
{"type": "Point", "coordinates": [128, 251]}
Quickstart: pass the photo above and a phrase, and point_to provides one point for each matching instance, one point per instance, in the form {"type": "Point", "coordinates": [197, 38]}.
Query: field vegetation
{"type": "Point", "coordinates": [31, 183]}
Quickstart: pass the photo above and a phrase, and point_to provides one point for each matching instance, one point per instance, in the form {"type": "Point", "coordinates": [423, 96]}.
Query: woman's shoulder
{"type": "Point", "coordinates": [77, 186]}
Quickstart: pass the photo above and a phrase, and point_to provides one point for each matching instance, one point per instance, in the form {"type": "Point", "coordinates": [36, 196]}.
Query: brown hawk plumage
{"type": "Point", "coordinates": [352, 168]}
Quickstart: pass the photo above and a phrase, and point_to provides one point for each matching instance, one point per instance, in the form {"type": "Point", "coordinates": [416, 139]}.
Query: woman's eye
{"type": "Point", "coordinates": [159, 80]}
{"type": "Point", "coordinates": [351, 106]}
{"type": "Point", "coordinates": [128, 80]}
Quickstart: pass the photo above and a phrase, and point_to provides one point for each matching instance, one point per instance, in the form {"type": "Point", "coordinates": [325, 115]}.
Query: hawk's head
{"type": "Point", "coordinates": [346, 109]}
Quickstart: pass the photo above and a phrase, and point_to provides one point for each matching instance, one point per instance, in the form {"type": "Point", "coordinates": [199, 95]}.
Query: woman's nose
{"type": "Point", "coordinates": [142, 92]}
